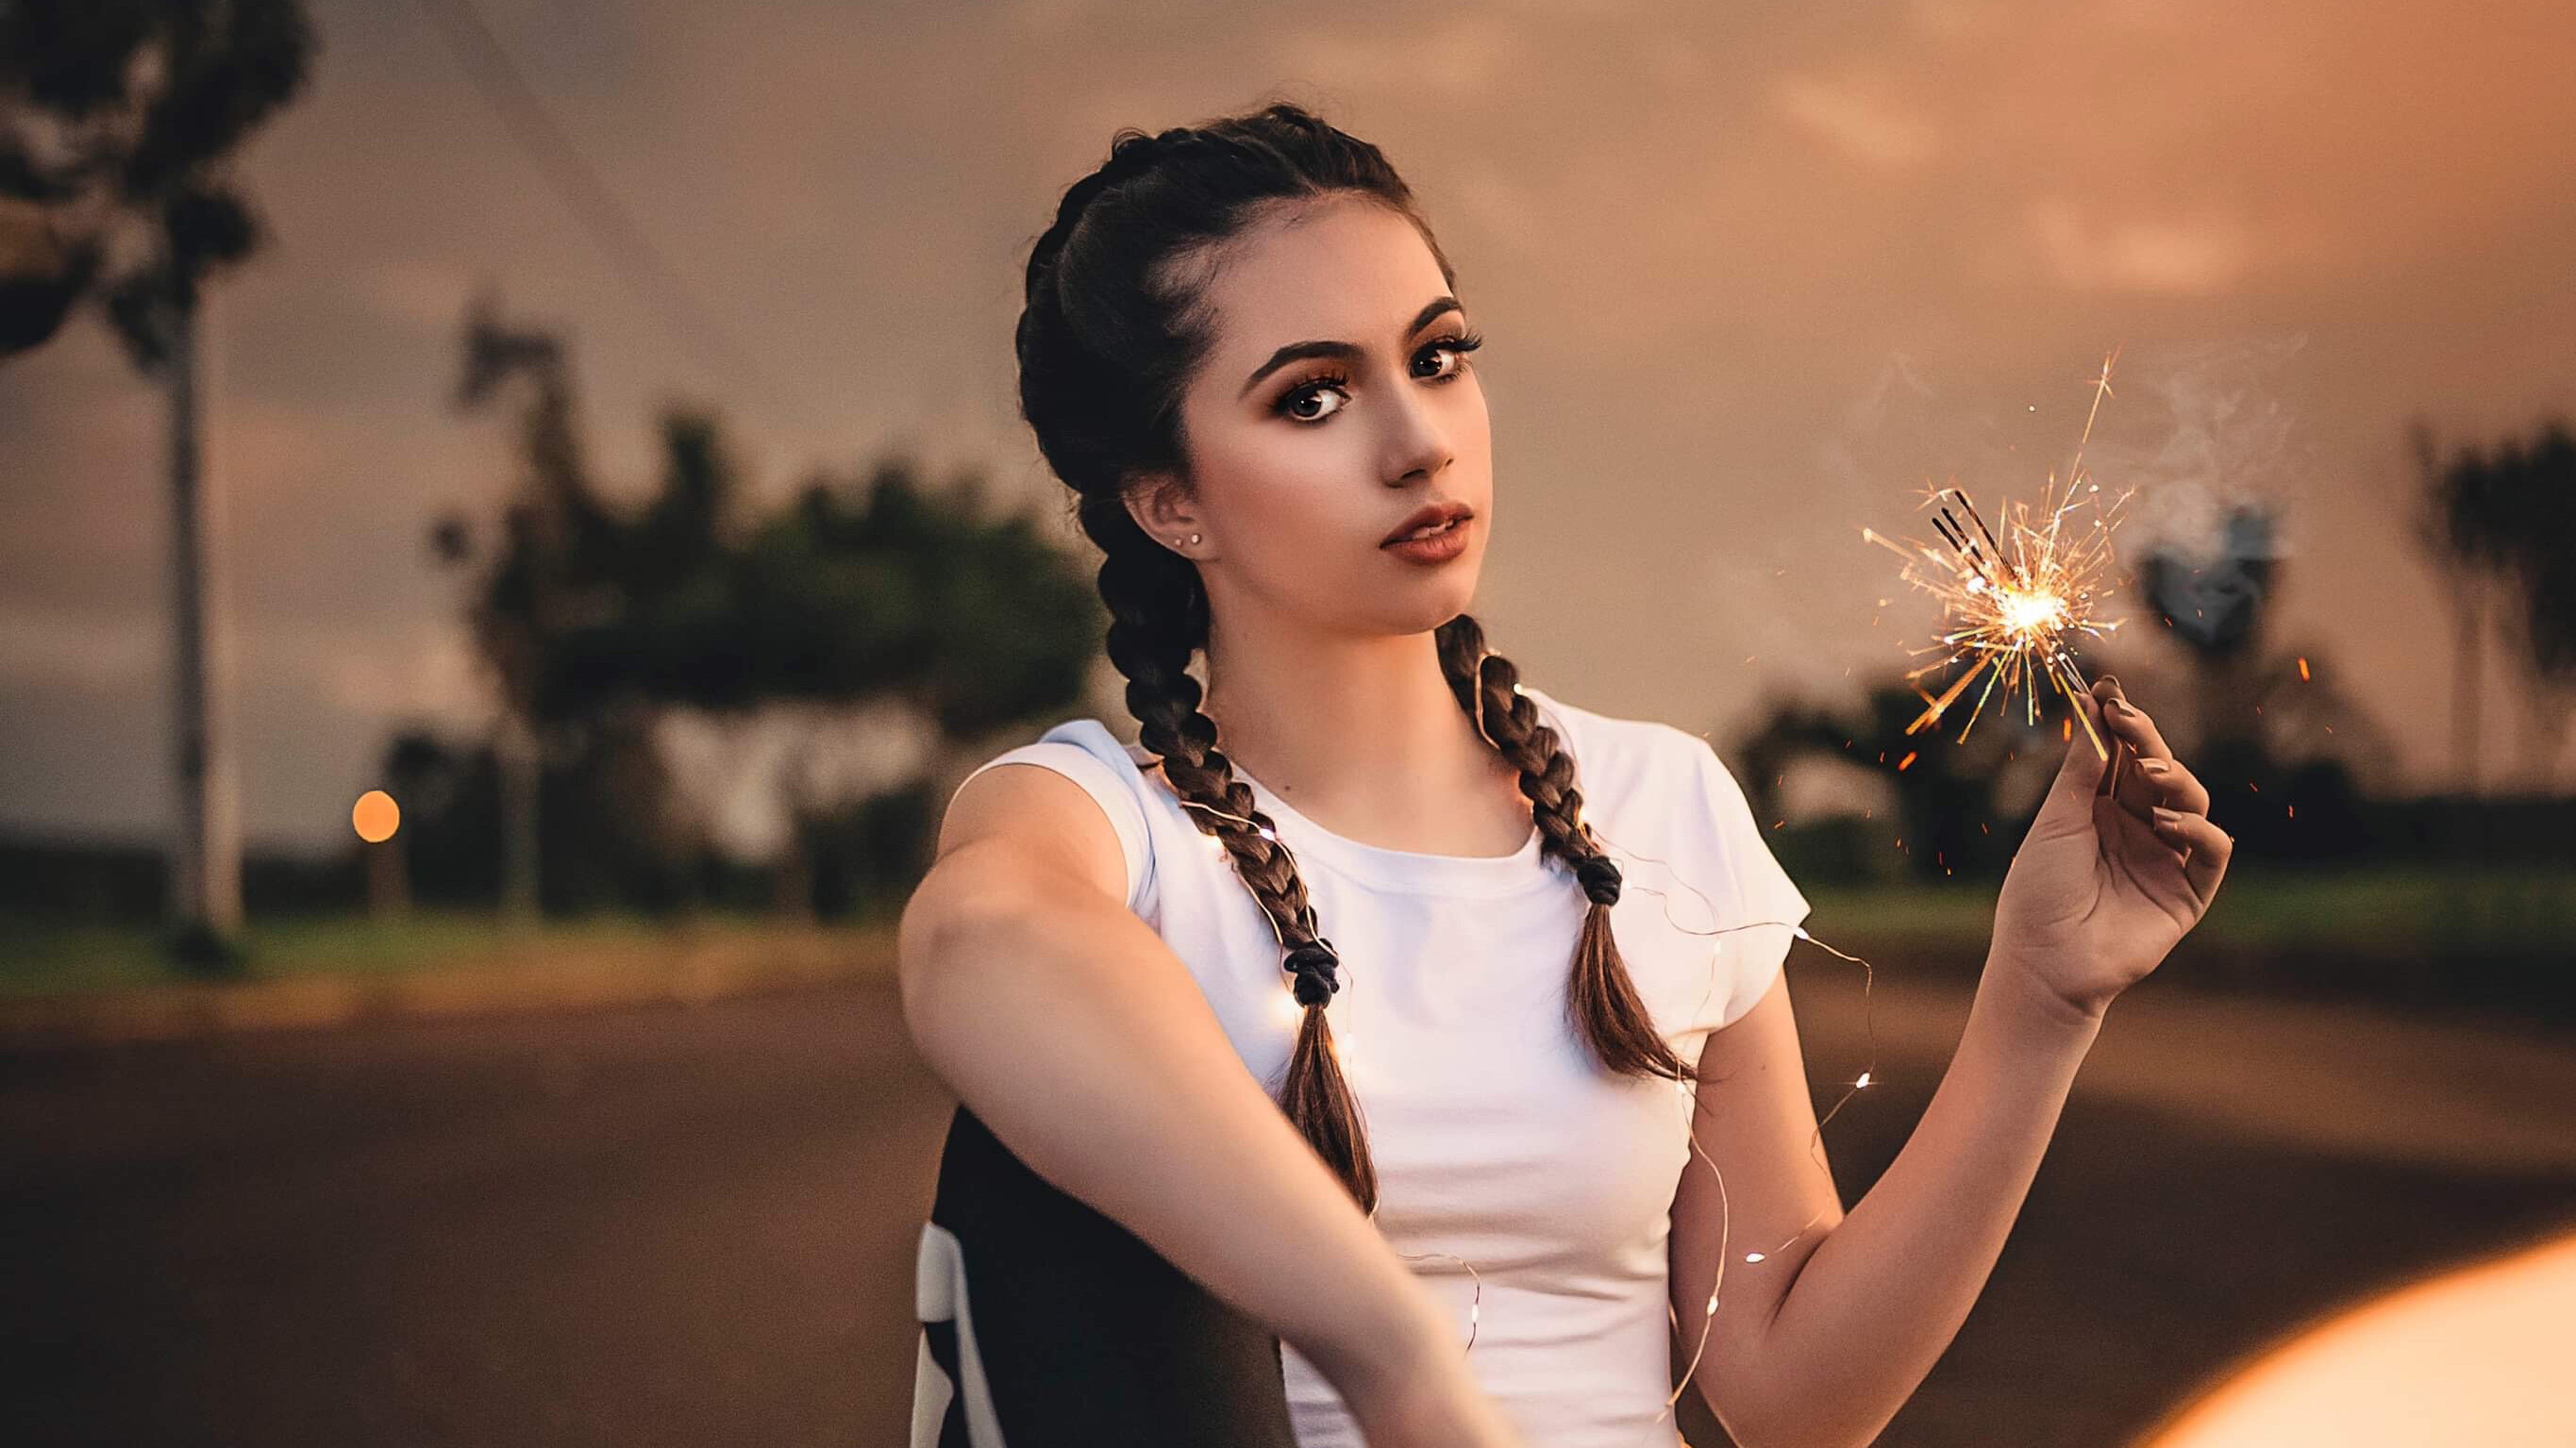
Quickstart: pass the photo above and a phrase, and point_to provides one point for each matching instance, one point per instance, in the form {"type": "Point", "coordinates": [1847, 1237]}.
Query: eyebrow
{"type": "Point", "coordinates": [1298, 351]}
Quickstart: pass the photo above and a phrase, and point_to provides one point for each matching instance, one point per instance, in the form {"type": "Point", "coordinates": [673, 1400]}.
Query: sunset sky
{"type": "Point", "coordinates": [1748, 274]}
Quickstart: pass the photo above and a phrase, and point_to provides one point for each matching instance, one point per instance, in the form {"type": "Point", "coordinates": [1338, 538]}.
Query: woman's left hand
{"type": "Point", "coordinates": [2120, 862]}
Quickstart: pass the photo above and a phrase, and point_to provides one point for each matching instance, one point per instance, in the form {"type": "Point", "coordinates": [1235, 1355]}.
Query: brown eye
{"type": "Point", "coordinates": [1289, 404]}
{"type": "Point", "coordinates": [1462, 345]}
{"type": "Point", "coordinates": [1292, 404]}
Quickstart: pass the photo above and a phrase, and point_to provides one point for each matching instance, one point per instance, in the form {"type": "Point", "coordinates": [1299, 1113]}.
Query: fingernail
{"type": "Point", "coordinates": [2152, 766]}
{"type": "Point", "coordinates": [2114, 681]}
{"type": "Point", "coordinates": [2165, 816]}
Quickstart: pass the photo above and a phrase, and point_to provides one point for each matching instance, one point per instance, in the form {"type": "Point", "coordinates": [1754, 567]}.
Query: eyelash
{"type": "Point", "coordinates": [1461, 344]}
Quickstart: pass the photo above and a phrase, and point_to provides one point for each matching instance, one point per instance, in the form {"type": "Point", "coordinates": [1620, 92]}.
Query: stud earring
{"type": "Point", "coordinates": [1177, 542]}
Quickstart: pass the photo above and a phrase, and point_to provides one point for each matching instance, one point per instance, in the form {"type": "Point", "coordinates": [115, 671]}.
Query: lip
{"type": "Point", "coordinates": [1438, 548]}
{"type": "Point", "coordinates": [1427, 515]}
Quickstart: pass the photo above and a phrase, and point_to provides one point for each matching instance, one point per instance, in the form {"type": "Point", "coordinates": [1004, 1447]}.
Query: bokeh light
{"type": "Point", "coordinates": [375, 816]}
{"type": "Point", "coordinates": [2474, 1356]}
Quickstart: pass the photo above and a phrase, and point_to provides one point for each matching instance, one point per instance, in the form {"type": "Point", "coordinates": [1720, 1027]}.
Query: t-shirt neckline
{"type": "Point", "coordinates": [1408, 871]}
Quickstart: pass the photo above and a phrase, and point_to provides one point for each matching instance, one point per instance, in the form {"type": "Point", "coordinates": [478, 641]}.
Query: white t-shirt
{"type": "Point", "coordinates": [1496, 1137]}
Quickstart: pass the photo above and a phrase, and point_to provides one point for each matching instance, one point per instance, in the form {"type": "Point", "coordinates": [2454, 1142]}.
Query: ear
{"type": "Point", "coordinates": [1164, 509]}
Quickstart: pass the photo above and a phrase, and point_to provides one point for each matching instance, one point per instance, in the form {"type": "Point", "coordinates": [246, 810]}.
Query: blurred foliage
{"type": "Point", "coordinates": [1947, 793]}
{"type": "Point", "coordinates": [118, 121]}
{"type": "Point", "coordinates": [2501, 520]}
{"type": "Point", "coordinates": [594, 617]}
{"type": "Point", "coordinates": [2510, 510]}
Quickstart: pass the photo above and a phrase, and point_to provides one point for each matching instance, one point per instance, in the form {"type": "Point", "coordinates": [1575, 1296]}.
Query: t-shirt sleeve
{"type": "Point", "coordinates": [1750, 959]}
{"type": "Point", "coordinates": [1100, 780]}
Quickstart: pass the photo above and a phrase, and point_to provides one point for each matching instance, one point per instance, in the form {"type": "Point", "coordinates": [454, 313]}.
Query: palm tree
{"type": "Point", "coordinates": [2215, 605]}
{"type": "Point", "coordinates": [115, 190]}
{"type": "Point", "coordinates": [2521, 497]}
{"type": "Point", "coordinates": [2549, 582]}
{"type": "Point", "coordinates": [2476, 511]}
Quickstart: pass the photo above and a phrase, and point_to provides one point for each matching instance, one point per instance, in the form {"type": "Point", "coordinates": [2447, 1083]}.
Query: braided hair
{"type": "Point", "coordinates": [1111, 332]}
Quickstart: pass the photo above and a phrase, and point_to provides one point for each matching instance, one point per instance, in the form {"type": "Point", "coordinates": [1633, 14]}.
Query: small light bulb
{"type": "Point", "coordinates": [1864, 1079]}
{"type": "Point", "coordinates": [1752, 1256]}
{"type": "Point", "coordinates": [1801, 932]}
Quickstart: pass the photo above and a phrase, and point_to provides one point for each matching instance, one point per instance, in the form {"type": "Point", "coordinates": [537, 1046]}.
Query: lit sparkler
{"type": "Point", "coordinates": [2013, 607]}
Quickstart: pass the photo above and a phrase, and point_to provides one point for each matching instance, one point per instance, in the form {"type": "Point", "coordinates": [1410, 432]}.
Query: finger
{"type": "Point", "coordinates": [2177, 787]}
{"type": "Point", "coordinates": [2118, 780]}
{"type": "Point", "coordinates": [2082, 769]}
{"type": "Point", "coordinates": [2131, 723]}
{"type": "Point", "coordinates": [2139, 741]}
{"type": "Point", "coordinates": [2210, 848]}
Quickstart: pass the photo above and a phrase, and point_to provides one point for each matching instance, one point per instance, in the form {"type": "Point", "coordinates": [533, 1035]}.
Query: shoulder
{"type": "Point", "coordinates": [1080, 805]}
{"type": "Point", "coordinates": [1611, 745]}
{"type": "Point", "coordinates": [1670, 786]}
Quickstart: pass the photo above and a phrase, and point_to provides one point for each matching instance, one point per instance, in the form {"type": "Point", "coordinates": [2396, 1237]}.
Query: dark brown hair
{"type": "Point", "coordinates": [1110, 334]}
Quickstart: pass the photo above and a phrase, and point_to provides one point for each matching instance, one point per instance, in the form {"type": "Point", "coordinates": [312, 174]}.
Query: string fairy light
{"type": "Point", "coordinates": [2012, 610]}
{"type": "Point", "coordinates": [1341, 1050]}
{"type": "Point", "coordinates": [1815, 1140]}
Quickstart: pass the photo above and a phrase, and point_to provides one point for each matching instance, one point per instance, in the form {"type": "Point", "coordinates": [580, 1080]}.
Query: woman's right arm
{"type": "Point", "coordinates": [1083, 1043]}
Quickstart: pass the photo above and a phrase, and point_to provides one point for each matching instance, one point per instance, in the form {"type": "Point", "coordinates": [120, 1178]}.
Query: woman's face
{"type": "Point", "coordinates": [1335, 400]}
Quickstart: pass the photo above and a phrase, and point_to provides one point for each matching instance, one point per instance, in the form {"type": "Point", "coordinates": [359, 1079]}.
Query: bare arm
{"type": "Point", "coordinates": [2117, 864]}
{"type": "Point", "coordinates": [1878, 1299]}
{"type": "Point", "coordinates": [1081, 1040]}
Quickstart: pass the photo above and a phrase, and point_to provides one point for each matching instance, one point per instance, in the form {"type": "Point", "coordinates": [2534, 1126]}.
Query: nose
{"type": "Point", "coordinates": [1417, 441]}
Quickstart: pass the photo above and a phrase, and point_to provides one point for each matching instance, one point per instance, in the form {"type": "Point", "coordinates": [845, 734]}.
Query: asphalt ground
{"type": "Point", "coordinates": [675, 1224]}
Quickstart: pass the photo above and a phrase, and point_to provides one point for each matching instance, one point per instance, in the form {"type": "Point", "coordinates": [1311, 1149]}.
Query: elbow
{"type": "Point", "coordinates": [1778, 1433]}
{"type": "Point", "coordinates": [1787, 1433]}
{"type": "Point", "coordinates": [1761, 1408]}
{"type": "Point", "coordinates": [935, 949]}
{"type": "Point", "coordinates": [918, 948]}
{"type": "Point", "coordinates": [971, 916]}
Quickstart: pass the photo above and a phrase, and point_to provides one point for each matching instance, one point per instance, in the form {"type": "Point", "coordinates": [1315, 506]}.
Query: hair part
{"type": "Point", "coordinates": [1114, 326]}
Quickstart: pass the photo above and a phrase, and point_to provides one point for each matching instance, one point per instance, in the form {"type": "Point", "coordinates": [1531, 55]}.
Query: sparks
{"type": "Point", "coordinates": [2012, 608]}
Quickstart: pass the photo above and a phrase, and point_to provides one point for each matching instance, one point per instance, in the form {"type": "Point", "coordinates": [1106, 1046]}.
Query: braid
{"type": "Point", "coordinates": [1132, 153]}
{"type": "Point", "coordinates": [1110, 334]}
{"type": "Point", "coordinates": [1601, 1001]}
{"type": "Point", "coordinates": [1157, 609]}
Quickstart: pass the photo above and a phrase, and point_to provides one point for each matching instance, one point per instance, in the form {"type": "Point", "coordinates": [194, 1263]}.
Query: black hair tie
{"type": "Point", "coordinates": [1600, 877]}
{"type": "Point", "coordinates": [1312, 964]}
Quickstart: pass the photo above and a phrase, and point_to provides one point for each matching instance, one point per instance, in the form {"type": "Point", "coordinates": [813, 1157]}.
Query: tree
{"type": "Point", "coordinates": [2284, 749]}
{"type": "Point", "coordinates": [2214, 603]}
{"type": "Point", "coordinates": [559, 575]}
{"type": "Point", "coordinates": [604, 623]}
{"type": "Point", "coordinates": [122, 119]}
{"type": "Point", "coordinates": [2501, 521]}
{"type": "Point", "coordinates": [516, 599]}
{"type": "Point", "coordinates": [2463, 528]}
{"type": "Point", "coordinates": [1948, 794]}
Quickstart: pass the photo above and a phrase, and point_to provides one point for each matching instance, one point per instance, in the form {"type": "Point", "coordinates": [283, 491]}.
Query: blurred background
{"type": "Point", "coordinates": [513, 518]}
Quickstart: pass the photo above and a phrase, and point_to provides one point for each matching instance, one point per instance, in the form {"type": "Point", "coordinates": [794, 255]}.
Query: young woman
{"type": "Point", "coordinates": [1412, 1068]}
